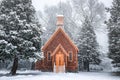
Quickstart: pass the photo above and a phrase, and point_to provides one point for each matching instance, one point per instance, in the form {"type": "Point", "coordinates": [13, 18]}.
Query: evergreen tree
{"type": "Point", "coordinates": [114, 31]}
{"type": "Point", "coordinates": [93, 9]}
{"type": "Point", "coordinates": [88, 46]}
{"type": "Point", "coordinates": [21, 30]}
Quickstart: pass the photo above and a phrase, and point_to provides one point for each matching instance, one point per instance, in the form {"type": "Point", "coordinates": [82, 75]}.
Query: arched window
{"type": "Point", "coordinates": [70, 56]}
{"type": "Point", "coordinates": [48, 55]}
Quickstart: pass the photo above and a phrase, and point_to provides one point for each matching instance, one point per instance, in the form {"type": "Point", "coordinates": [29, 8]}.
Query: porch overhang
{"type": "Point", "coordinates": [59, 47]}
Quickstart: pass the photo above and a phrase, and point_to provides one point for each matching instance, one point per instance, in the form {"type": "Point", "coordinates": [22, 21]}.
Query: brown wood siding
{"type": "Point", "coordinates": [60, 39]}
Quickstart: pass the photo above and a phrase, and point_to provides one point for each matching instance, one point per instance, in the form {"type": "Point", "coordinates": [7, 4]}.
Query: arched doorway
{"type": "Point", "coordinates": [59, 62]}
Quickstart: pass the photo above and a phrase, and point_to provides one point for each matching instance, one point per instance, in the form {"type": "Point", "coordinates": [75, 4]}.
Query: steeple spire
{"type": "Point", "coordinates": [60, 7]}
{"type": "Point", "coordinates": [60, 17]}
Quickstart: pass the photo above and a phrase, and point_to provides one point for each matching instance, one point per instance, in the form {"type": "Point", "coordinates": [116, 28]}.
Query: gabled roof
{"type": "Point", "coordinates": [57, 48]}
{"type": "Point", "coordinates": [59, 29]}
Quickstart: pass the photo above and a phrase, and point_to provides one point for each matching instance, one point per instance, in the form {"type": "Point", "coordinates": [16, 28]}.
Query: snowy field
{"type": "Point", "coordinates": [37, 75]}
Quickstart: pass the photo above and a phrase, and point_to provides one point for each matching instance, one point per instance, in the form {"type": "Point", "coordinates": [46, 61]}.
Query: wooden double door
{"type": "Point", "coordinates": [60, 62]}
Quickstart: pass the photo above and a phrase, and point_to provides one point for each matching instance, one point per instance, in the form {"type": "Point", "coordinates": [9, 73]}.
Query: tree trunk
{"type": "Point", "coordinates": [15, 66]}
{"type": "Point", "coordinates": [33, 66]}
{"type": "Point", "coordinates": [88, 69]}
{"type": "Point", "coordinates": [86, 65]}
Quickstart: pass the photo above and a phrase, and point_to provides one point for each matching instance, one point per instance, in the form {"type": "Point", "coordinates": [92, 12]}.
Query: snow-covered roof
{"type": "Point", "coordinates": [60, 15]}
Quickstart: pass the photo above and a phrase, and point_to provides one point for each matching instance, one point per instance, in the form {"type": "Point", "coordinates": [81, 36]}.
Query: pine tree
{"type": "Point", "coordinates": [114, 31]}
{"type": "Point", "coordinates": [21, 31]}
{"type": "Point", "coordinates": [88, 46]}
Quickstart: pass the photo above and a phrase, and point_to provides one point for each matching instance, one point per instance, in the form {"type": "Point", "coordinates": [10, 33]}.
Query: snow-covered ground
{"type": "Point", "coordinates": [37, 75]}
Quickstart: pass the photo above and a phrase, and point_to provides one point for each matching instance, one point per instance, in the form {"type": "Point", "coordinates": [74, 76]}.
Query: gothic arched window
{"type": "Point", "coordinates": [70, 55]}
{"type": "Point", "coordinates": [49, 55]}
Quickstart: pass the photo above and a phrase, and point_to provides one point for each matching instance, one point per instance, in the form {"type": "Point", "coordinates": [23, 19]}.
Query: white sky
{"type": "Point", "coordinates": [40, 4]}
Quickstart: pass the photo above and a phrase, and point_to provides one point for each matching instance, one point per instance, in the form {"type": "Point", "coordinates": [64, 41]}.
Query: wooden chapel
{"type": "Point", "coordinates": [60, 53]}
